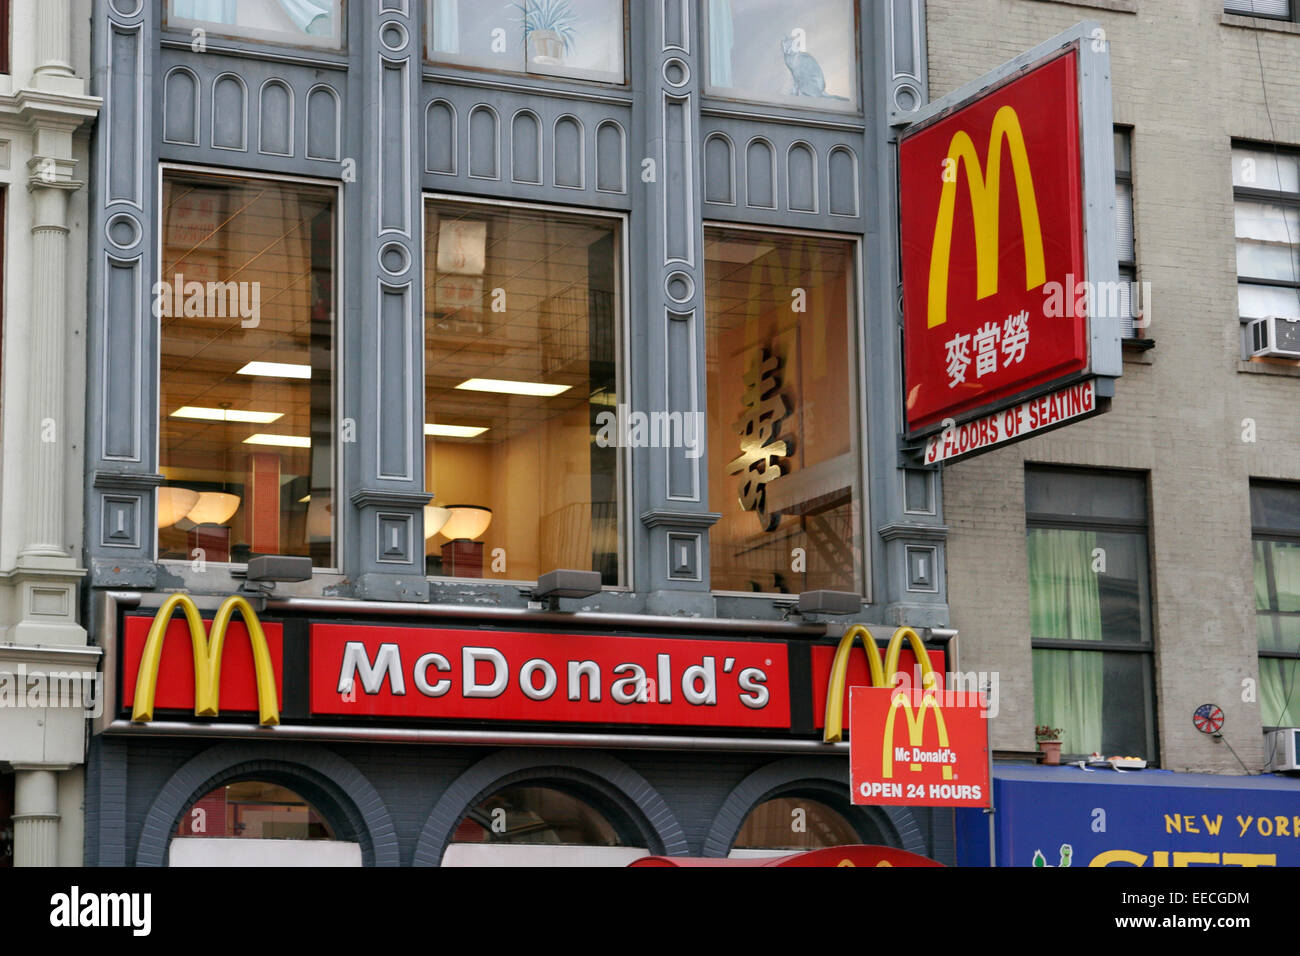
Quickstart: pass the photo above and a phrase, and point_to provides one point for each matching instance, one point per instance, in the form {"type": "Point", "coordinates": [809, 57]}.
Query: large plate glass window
{"type": "Point", "coordinates": [572, 38]}
{"type": "Point", "coordinates": [784, 439]}
{"type": "Point", "coordinates": [245, 309]}
{"type": "Point", "coordinates": [522, 324]}
{"type": "Point", "coordinates": [294, 22]}
{"type": "Point", "coordinates": [1275, 519]}
{"type": "Point", "coordinates": [1090, 610]}
{"type": "Point", "coordinates": [790, 54]}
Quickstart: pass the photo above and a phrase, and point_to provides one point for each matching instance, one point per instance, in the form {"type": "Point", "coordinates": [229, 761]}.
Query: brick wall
{"type": "Point", "coordinates": [1188, 83]}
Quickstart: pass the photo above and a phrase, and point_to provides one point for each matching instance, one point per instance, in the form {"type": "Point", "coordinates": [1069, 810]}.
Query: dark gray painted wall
{"type": "Point", "coordinates": [395, 800]}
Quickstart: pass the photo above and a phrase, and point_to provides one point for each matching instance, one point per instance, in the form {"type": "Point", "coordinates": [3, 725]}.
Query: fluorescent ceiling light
{"type": "Point", "coordinates": [287, 441]}
{"type": "Point", "coordinates": [226, 415]}
{"type": "Point", "coordinates": [454, 431]}
{"type": "Point", "coordinates": [276, 370]}
{"type": "Point", "coordinates": [512, 388]}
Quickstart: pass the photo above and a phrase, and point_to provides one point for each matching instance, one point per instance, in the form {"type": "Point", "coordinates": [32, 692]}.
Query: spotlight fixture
{"type": "Point", "coordinates": [829, 602]}
{"type": "Point", "coordinates": [565, 583]}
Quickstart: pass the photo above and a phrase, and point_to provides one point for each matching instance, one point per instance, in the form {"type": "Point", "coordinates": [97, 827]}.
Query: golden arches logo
{"type": "Point", "coordinates": [985, 193]}
{"type": "Point", "coordinates": [915, 730]}
{"type": "Point", "coordinates": [834, 726]}
{"type": "Point", "coordinates": [207, 659]}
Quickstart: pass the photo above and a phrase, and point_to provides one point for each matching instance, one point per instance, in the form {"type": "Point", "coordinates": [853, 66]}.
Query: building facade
{"type": "Point", "coordinates": [439, 298]}
{"type": "Point", "coordinates": [47, 668]}
{"type": "Point", "coordinates": [1161, 532]}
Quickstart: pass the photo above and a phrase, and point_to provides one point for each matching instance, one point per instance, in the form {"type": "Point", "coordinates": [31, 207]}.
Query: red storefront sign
{"type": "Point", "coordinates": [993, 246]}
{"type": "Point", "coordinates": [912, 747]}
{"type": "Point", "coordinates": [410, 672]}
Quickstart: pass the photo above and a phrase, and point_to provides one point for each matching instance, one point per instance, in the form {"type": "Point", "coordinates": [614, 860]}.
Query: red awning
{"type": "Point", "coordinates": [860, 855]}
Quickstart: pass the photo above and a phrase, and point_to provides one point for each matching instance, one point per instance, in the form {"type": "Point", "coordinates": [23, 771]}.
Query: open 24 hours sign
{"type": "Point", "coordinates": [1006, 197]}
{"type": "Point", "coordinates": [914, 747]}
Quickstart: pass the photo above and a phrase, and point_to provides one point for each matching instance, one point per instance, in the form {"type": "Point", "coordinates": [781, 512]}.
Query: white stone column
{"type": "Point", "coordinates": [53, 38]}
{"type": "Point", "coordinates": [36, 815]}
{"type": "Point", "coordinates": [48, 431]}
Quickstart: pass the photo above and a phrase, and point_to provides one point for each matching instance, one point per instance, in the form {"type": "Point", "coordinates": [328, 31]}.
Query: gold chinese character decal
{"type": "Point", "coordinates": [759, 428]}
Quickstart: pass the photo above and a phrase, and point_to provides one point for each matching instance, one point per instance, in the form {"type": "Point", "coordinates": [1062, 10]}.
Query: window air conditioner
{"type": "Point", "coordinates": [1276, 336]}
{"type": "Point", "coordinates": [1282, 747]}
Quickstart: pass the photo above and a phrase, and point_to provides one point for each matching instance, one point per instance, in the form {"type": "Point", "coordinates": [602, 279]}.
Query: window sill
{"type": "Point", "coordinates": [1266, 366]}
{"type": "Point", "coordinates": [1259, 23]}
{"type": "Point", "coordinates": [1138, 351]}
{"type": "Point", "coordinates": [1118, 6]}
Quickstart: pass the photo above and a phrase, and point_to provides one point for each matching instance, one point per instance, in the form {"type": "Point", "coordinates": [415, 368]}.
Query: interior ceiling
{"type": "Point", "coordinates": [541, 262]}
{"type": "Point", "coordinates": [747, 275]}
{"type": "Point", "coordinates": [242, 232]}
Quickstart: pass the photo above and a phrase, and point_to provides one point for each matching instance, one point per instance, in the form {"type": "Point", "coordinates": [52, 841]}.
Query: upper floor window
{"type": "Point", "coordinates": [1090, 609]}
{"type": "Point", "coordinates": [296, 22]}
{"type": "Point", "coordinates": [783, 432]}
{"type": "Point", "coordinates": [582, 39]}
{"type": "Point", "coordinates": [790, 54]}
{"type": "Point", "coordinates": [1124, 237]}
{"type": "Point", "coordinates": [1272, 9]}
{"type": "Point", "coordinates": [245, 309]}
{"type": "Point", "coordinates": [522, 342]}
{"type": "Point", "coordinates": [1266, 189]}
{"type": "Point", "coordinates": [1275, 522]}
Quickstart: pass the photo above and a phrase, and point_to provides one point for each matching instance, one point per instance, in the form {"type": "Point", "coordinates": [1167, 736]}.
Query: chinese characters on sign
{"type": "Point", "coordinates": [1013, 335]}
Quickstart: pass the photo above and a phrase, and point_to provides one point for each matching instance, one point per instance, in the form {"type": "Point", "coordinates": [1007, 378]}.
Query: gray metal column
{"type": "Point", "coordinates": [908, 582]}
{"type": "Point", "coordinates": [121, 374]}
{"type": "Point", "coordinates": [671, 486]}
{"type": "Point", "coordinates": [383, 352]}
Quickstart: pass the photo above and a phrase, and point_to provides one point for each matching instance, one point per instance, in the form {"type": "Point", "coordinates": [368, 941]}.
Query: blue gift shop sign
{"type": "Point", "coordinates": [1065, 816]}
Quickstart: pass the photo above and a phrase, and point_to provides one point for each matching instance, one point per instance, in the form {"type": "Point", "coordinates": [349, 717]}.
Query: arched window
{"type": "Point", "coordinates": [537, 825]}
{"type": "Point", "coordinates": [791, 823]}
{"type": "Point", "coordinates": [257, 823]}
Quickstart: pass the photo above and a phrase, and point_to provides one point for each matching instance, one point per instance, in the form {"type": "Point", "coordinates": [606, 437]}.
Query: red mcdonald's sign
{"type": "Point", "coordinates": [1000, 239]}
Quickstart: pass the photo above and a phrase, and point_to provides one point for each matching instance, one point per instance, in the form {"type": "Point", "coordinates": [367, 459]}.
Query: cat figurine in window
{"type": "Point", "coordinates": [806, 72]}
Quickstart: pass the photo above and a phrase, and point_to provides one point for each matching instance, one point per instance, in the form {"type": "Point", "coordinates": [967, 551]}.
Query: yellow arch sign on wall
{"type": "Point", "coordinates": [207, 659]}
{"type": "Point", "coordinates": [834, 729]}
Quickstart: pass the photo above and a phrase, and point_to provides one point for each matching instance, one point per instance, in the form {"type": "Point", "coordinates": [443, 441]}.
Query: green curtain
{"type": "Point", "coordinates": [1279, 698]}
{"type": "Point", "coordinates": [1065, 604]}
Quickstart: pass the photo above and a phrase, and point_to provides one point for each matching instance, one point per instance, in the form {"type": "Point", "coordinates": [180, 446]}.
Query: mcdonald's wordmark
{"type": "Point", "coordinates": [917, 747]}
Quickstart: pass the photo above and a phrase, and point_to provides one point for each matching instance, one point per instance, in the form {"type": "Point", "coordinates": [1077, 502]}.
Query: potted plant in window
{"type": "Point", "coordinates": [1049, 743]}
{"type": "Point", "coordinates": [548, 30]}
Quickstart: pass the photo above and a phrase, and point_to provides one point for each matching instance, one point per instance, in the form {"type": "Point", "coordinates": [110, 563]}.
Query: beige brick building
{"type": "Point", "coordinates": [1194, 418]}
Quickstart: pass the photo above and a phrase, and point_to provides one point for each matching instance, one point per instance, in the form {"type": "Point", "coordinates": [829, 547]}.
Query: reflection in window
{"type": "Point", "coordinates": [521, 346]}
{"type": "Point", "coordinates": [794, 823]}
{"type": "Point", "coordinates": [254, 810]}
{"type": "Point", "coordinates": [774, 51]}
{"type": "Point", "coordinates": [246, 312]}
{"type": "Point", "coordinates": [297, 22]}
{"type": "Point", "coordinates": [574, 38]}
{"type": "Point", "coordinates": [1089, 610]}
{"type": "Point", "coordinates": [536, 815]}
{"type": "Point", "coordinates": [783, 436]}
